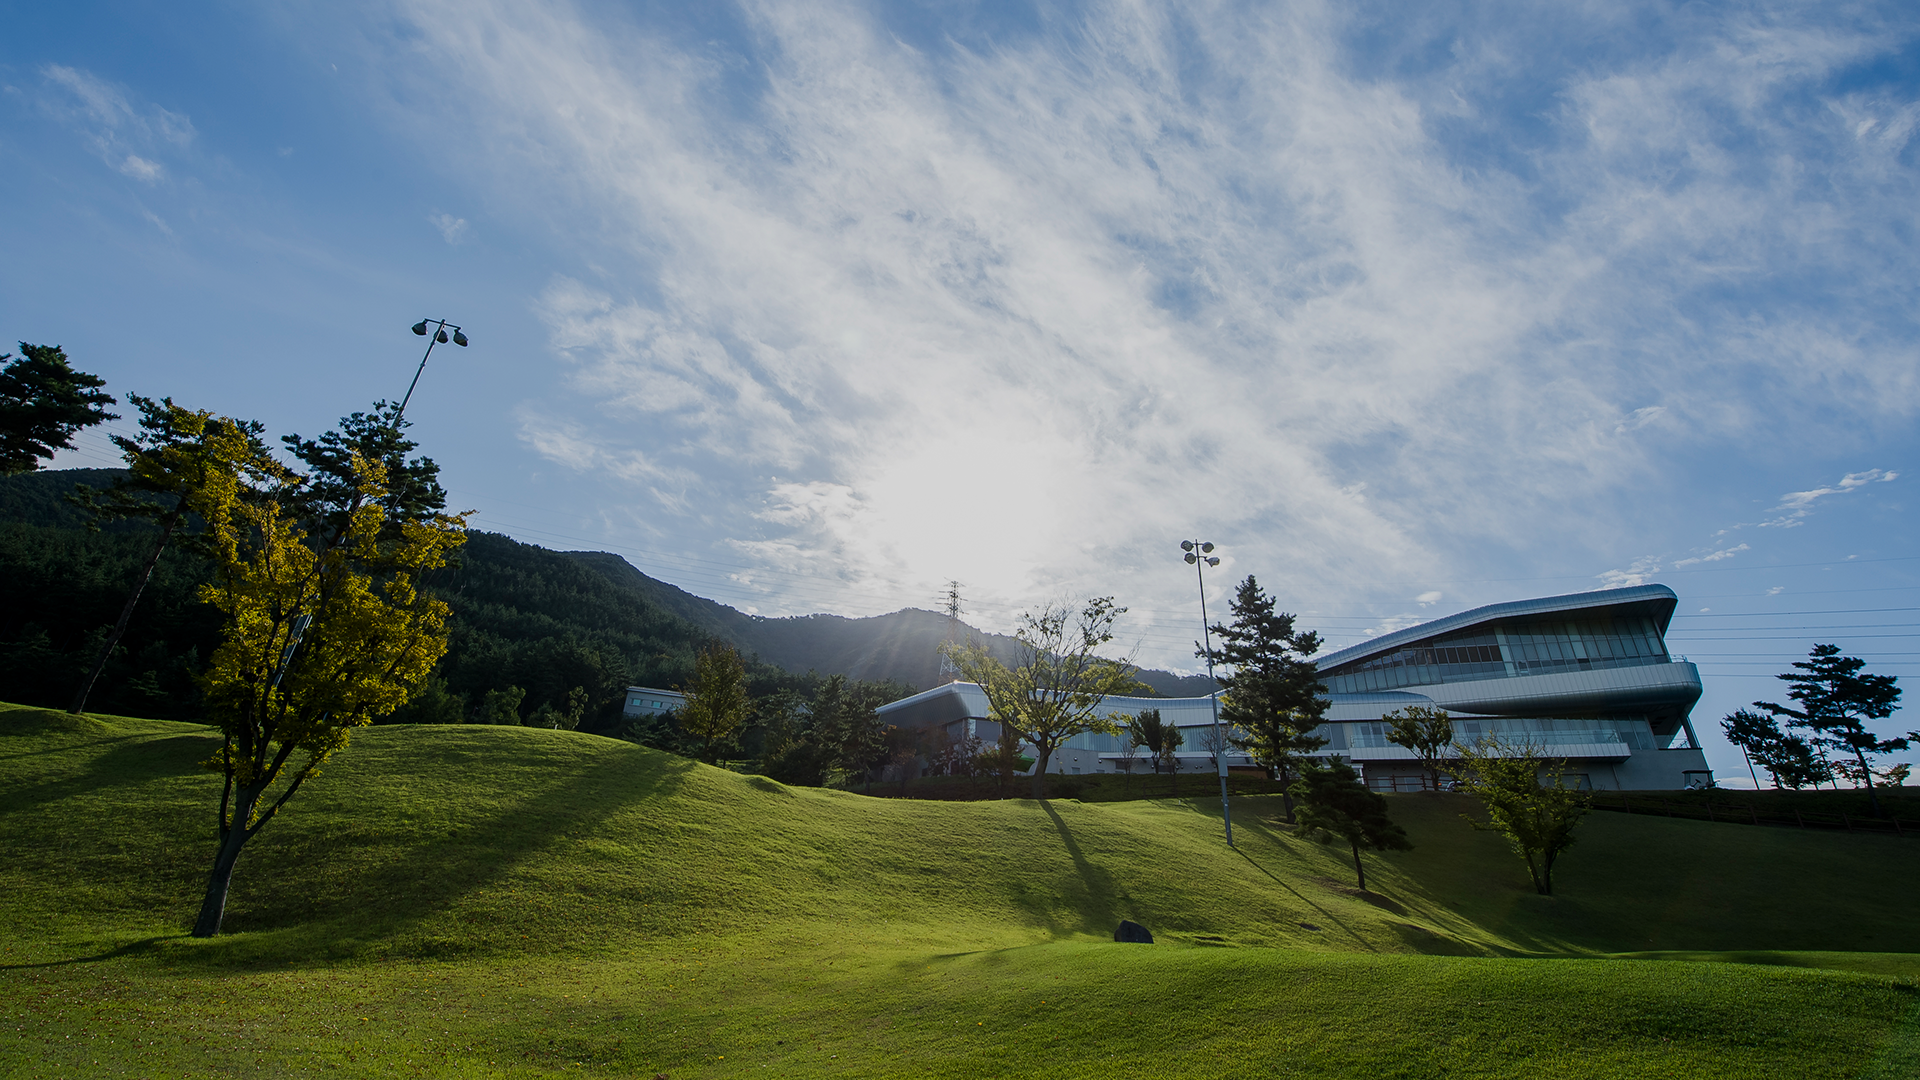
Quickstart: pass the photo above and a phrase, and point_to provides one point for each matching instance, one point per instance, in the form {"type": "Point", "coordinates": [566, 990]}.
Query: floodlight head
{"type": "Point", "coordinates": [460, 339]}
{"type": "Point", "coordinates": [441, 337]}
{"type": "Point", "coordinates": [1192, 558]}
{"type": "Point", "coordinates": [420, 328]}
{"type": "Point", "coordinates": [1186, 545]}
{"type": "Point", "coordinates": [1208, 546]}
{"type": "Point", "coordinates": [1214, 561]}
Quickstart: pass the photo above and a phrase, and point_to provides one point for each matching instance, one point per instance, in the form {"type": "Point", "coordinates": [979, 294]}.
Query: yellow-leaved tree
{"type": "Point", "coordinates": [1057, 684]}
{"type": "Point", "coordinates": [320, 638]}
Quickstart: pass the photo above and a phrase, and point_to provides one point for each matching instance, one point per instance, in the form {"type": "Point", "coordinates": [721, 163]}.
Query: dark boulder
{"type": "Point", "coordinates": [1132, 931]}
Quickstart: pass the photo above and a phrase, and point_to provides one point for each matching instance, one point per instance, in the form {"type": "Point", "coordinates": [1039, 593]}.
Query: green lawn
{"type": "Point", "coordinates": [481, 901]}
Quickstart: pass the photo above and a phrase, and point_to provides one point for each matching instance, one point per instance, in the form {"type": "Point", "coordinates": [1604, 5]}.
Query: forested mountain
{"type": "Point", "coordinates": [524, 616]}
{"type": "Point", "coordinates": [902, 646]}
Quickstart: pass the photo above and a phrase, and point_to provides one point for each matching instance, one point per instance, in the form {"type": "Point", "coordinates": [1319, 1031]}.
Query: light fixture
{"type": "Point", "coordinates": [438, 336]}
{"type": "Point", "coordinates": [1197, 557]}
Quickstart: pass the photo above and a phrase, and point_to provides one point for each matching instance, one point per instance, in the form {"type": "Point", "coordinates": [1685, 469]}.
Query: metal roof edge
{"type": "Point", "coordinates": [926, 695]}
{"type": "Point", "coordinates": [1539, 606]}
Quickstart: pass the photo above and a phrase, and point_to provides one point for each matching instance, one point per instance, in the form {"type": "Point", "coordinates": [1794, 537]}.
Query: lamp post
{"type": "Point", "coordinates": [1200, 554]}
{"type": "Point", "coordinates": [439, 336]}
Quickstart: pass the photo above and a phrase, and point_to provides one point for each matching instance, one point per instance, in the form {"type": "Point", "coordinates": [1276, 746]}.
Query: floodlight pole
{"type": "Point", "coordinates": [437, 335]}
{"type": "Point", "coordinates": [1197, 554]}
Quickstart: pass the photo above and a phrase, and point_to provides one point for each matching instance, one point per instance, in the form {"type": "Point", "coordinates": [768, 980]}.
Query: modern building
{"type": "Point", "coordinates": [646, 701]}
{"type": "Point", "coordinates": [1585, 677]}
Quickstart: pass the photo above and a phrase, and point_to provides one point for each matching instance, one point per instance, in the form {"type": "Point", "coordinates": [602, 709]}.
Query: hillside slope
{"type": "Point", "coordinates": [506, 902]}
{"type": "Point", "coordinates": [416, 831]}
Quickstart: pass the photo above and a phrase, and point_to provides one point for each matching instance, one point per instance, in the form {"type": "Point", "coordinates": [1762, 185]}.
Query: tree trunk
{"type": "Point", "coordinates": [1040, 772]}
{"type": "Point", "coordinates": [214, 908]}
{"type": "Point", "coordinates": [1866, 777]}
{"type": "Point", "coordinates": [1358, 869]}
{"type": "Point", "coordinates": [1542, 881]}
{"type": "Point", "coordinates": [1286, 792]}
{"type": "Point", "coordinates": [167, 526]}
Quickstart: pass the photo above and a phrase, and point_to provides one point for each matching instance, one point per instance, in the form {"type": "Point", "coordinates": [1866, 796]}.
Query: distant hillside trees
{"type": "Point", "coordinates": [546, 622]}
{"type": "Point", "coordinates": [44, 402]}
{"type": "Point", "coordinates": [59, 591]}
{"type": "Point", "coordinates": [829, 735]}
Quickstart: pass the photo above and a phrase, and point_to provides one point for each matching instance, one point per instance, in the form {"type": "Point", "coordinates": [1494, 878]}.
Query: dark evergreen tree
{"type": "Point", "coordinates": [1789, 759]}
{"type": "Point", "coordinates": [44, 402]}
{"type": "Point", "coordinates": [1272, 691]}
{"type": "Point", "coordinates": [413, 484]}
{"type": "Point", "coordinates": [1837, 700]}
{"type": "Point", "coordinates": [1335, 805]}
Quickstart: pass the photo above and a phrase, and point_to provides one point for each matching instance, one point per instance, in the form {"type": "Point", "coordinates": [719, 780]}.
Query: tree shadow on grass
{"type": "Point", "coordinates": [1254, 826]}
{"type": "Point", "coordinates": [287, 902]}
{"type": "Point", "coordinates": [415, 878]}
{"type": "Point", "coordinates": [148, 759]}
{"type": "Point", "coordinates": [132, 948]}
{"type": "Point", "coordinates": [65, 748]}
{"type": "Point", "coordinates": [1098, 911]}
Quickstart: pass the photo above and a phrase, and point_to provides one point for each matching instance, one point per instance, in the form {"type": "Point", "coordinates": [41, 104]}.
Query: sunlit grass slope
{"type": "Point", "coordinates": [504, 901]}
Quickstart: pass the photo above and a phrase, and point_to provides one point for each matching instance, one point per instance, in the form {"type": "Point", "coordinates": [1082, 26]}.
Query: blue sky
{"type": "Point", "coordinates": [816, 306]}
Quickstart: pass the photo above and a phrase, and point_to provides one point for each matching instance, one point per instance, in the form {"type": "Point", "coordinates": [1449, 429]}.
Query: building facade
{"type": "Point", "coordinates": [1585, 677]}
{"type": "Point", "coordinates": [647, 701]}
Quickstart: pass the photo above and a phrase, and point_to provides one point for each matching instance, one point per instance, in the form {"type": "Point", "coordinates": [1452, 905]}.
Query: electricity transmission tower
{"type": "Point", "coordinates": [952, 603]}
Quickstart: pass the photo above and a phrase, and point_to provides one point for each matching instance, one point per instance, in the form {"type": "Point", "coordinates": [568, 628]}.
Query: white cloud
{"type": "Point", "coordinates": [126, 134]}
{"type": "Point", "coordinates": [1428, 599]}
{"type": "Point", "coordinates": [1021, 315]}
{"type": "Point", "coordinates": [1640, 418]}
{"type": "Point", "coordinates": [141, 169]}
{"type": "Point", "coordinates": [452, 229]}
{"type": "Point", "coordinates": [1636, 573]}
{"type": "Point", "coordinates": [1717, 556]}
{"type": "Point", "coordinates": [1794, 506]}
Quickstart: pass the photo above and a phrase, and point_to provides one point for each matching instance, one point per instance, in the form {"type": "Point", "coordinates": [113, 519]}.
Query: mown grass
{"type": "Point", "coordinates": [477, 901]}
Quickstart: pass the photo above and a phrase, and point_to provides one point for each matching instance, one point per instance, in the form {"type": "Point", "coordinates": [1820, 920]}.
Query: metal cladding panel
{"type": "Point", "coordinates": [1660, 597]}
{"type": "Point", "coordinates": [1674, 686]}
{"type": "Point", "coordinates": [959, 700]}
{"type": "Point", "coordinates": [1558, 751]}
{"type": "Point", "coordinates": [1372, 705]}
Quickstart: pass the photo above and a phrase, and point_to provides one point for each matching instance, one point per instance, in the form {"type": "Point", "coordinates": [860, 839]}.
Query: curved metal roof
{"type": "Point", "coordinates": [1661, 599]}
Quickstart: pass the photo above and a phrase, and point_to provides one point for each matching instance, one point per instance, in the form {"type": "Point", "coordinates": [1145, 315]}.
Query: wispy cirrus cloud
{"type": "Point", "coordinates": [128, 135]}
{"type": "Point", "coordinates": [1712, 556]}
{"type": "Point", "coordinates": [1018, 309]}
{"type": "Point", "coordinates": [1795, 506]}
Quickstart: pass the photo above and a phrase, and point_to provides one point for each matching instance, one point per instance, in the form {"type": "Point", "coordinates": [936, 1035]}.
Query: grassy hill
{"type": "Point", "coordinates": [480, 901]}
